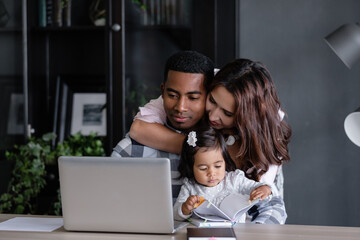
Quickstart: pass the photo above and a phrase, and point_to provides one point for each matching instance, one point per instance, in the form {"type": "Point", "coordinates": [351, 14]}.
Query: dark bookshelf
{"type": "Point", "coordinates": [128, 60]}
{"type": "Point", "coordinates": [11, 30]}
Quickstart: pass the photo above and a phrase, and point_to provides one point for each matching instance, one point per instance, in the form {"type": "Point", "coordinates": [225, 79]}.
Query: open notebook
{"type": "Point", "coordinates": [117, 194]}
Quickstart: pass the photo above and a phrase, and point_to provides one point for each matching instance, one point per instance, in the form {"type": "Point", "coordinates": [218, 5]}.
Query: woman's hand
{"type": "Point", "coordinates": [260, 192]}
{"type": "Point", "coordinates": [190, 204]}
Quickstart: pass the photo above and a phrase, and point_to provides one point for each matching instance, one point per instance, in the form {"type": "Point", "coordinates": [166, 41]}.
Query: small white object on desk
{"type": "Point", "coordinates": [32, 224]}
{"type": "Point", "coordinates": [208, 224]}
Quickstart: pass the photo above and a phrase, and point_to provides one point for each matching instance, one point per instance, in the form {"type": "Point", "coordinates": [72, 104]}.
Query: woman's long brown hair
{"type": "Point", "coordinates": [263, 136]}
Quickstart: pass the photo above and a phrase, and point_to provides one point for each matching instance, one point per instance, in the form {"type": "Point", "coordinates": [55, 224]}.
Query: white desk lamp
{"type": "Point", "coordinates": [345, 42]}
{"type": "Point", "coordinates": [352, 126]}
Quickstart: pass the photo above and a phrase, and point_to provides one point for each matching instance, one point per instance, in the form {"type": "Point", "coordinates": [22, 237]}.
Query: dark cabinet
{"type": "Point", "coordinates": [13, 121]}
{"type": "Point", "coordinates": [151, 30]}
{"type": "Point", "coordinates": [112, 68]}
{"type": "Point", "coordinates": [66, 66]}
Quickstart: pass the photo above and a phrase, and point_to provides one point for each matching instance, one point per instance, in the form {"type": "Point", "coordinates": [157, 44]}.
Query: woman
{"type": "Point", "coordinates": [243, 104]}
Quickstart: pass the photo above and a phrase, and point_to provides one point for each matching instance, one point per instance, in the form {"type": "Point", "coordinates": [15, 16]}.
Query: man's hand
{"type": "Point", "coordinates": [260, 192]}
{"type": "Point", "coordinates": [190, 204]}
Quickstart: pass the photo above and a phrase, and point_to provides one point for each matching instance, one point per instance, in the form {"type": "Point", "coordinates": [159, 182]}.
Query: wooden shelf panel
{"type": "Point", "coordinates": [69, 29]}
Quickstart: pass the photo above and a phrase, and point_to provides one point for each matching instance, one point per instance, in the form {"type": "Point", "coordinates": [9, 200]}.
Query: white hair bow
{"type": "Point", "coordinates": [192, 139]}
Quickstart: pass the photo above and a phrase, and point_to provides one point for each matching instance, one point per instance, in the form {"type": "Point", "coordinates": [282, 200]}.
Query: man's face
{"type": "Point", "coordinates": [184, 99]}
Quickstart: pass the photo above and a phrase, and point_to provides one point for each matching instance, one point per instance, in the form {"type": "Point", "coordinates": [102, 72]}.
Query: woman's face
{"type": "Point", "coordinates": [220, 106]}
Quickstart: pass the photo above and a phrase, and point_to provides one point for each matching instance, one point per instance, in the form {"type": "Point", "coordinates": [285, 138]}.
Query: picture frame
{"type": "Point", "coordinates": [66, 119]}
{"type": "Point", "coordinates": [88, 113]}
{"type": "Point", "coordinates": [10, 85]}
{"type": "Point", "coordinates": [15, 124]}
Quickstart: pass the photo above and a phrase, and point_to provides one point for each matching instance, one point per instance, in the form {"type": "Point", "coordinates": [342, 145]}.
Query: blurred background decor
{"type": "Point", "coordinates": [97, 12]}
{"type": "Point", "coordinates": [4, 15]}
{"type": "Point", "coordinates": [345, 42]}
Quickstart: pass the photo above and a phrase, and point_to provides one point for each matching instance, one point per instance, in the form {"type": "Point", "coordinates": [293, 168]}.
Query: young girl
{"type": "Point", "coordinates": [207, 170]}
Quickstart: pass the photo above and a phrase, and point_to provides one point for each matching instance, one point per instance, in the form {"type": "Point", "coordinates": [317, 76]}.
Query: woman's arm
{"type": "Point", "coordinates": [148, 128]}
{"type": "Point", "coordinates": [156, 136]}
{"type": "Point", "coordinates": [260, 192]}
{"type": "Point", "coordinates": [270, 175]}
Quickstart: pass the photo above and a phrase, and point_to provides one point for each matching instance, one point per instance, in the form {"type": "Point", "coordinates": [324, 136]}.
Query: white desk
{"type": "Point", "coordinates": [243, 232]}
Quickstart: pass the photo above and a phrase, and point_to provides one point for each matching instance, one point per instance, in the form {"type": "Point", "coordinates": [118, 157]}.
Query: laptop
{"type": "Point", "coordinates": [107, 194]}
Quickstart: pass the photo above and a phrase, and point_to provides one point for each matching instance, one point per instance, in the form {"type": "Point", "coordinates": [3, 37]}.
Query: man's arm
{"type": "Point", "coordinates": [156, 136]}
{"type": "Point", "coordinates": [123, 148]}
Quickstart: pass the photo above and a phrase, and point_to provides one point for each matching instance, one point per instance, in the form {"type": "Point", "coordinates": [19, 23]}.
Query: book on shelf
{"type": "Point", "coordinates": [54, 13]}
{"type": "Point", "coordinates": [164, 12]}
{"type": "Point", "coordinates": [211, 233]}
{"type": "Point", "coordinates": [231, 209]}
{"type": "Point", "coordinates": [42, 13]}
{"type": "Point", "coordinates": [49, 12]}
{"type": "Point", "coordinates": [58, 13]}
{"type": "Point", "coordinates": [67, 13]}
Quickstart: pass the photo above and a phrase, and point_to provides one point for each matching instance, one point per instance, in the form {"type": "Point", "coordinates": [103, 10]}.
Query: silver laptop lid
{"type": "Point", "coordinates": [116, 194]}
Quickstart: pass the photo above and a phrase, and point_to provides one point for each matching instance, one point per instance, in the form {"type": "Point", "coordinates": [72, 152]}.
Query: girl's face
{"type": "Point", "coordinates": [220, 106]}
{"type": "Point", "coordinates": [209, 167]}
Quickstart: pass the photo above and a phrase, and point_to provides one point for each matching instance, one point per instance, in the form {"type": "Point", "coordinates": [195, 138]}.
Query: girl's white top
{"type": "Point", "coordinates": [234, 182]}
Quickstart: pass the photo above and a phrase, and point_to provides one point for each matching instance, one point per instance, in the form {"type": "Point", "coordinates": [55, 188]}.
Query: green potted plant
{"type": "Point", "coordinates": [35, 167]}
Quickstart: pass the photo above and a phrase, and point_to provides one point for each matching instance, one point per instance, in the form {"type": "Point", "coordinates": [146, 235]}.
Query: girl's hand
{"type": "Point", "coordinates": [189, 204]}
{"type": "Point", "coordinates": [260, 192]}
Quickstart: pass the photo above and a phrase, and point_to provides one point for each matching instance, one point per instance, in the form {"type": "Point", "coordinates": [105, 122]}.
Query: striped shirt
{"type": "Point", "coordinates": [128, 147]}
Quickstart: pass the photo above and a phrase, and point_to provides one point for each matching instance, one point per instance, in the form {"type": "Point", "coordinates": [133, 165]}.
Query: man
{"type": "Point", "coordinates": [186, 77]}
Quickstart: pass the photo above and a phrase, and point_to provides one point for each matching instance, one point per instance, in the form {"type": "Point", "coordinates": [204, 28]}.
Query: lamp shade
{"type": "Point", "coordinates": [352, 126]}
{"type": "Point", "coordinates": [345, 42]}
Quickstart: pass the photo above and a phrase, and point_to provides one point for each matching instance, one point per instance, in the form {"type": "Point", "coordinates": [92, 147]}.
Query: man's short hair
{"type": "Point", "coordinates": [191, 62]}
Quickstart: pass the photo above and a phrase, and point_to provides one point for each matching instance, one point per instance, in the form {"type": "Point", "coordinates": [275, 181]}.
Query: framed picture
{"type": "Point", "coordinates": [76, 106]}
{"type": "Point", "coordinates": [88, 113]}
{"type": "Point", "coordinates": [12, 125]}
{"type": "Point", "coordinates": [15, 123]}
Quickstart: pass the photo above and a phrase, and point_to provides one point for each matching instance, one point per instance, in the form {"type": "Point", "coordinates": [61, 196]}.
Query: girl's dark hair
{"type": "Point", "coordinates": [263, 136]}
{"type": "Point", "coordinates": [207, 138]}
